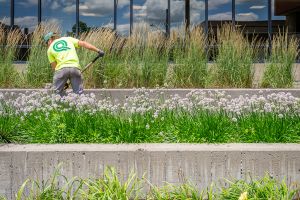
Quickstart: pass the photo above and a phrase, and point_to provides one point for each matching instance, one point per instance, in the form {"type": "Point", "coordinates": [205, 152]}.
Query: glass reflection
{"type": "Point", "coordinates": [177, 13]}
{"type": "Point", "coordinates": [150, 12]}
{"type": "Point", "coordinates": [26, 12]}
{"type": "Point", "coordinates": [197, 14]}
{"type": "Point", "coordinates": [5, 12]}
{"type": "Point", "coordinates": [254, 10]}
{"type": "Point", "coordinates": [95, 14]}
{"type": "Point", "coordinates": [220, 10]}
{"type": "Point", "coordinates": [123, 17]}
{"type": "Point", "coordinates": [60, 12]}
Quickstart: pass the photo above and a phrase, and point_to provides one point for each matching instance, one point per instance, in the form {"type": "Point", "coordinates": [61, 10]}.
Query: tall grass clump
{"type": "Point", "coordinates": [283, 55]}
{"type": "Point", "coordinates": [155, 59]}
{"type": "Point", "coordinates": [190, 61]}
{"type": "Point", "coordinates": [146, 57]}
{"type": "Point", "coordinates": [39, 70]}
{"type": "Point", "coordinates": [95, 76]}
{"type": "Point", "coordinates": [9, 40]}
{"type": "Point", "coordinates": [233, 67]}
{"type": "Point", "coordinates": [132, 54]}
{"type": "Point", "coordinates": [116, 73]}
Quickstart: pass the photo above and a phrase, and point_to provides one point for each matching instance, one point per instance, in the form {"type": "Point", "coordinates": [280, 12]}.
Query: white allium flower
{"type": "Point", "coordinates": [147, 126]}
{"type": "Point", "coordinates": [155, 115]}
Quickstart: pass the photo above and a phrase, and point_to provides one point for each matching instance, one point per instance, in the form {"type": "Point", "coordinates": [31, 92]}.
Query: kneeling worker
{"type": "Point", "coordinates": [64, 61]}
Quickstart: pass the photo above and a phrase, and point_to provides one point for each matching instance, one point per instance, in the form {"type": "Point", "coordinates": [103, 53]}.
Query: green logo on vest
{"type": "Point", "coordinates": [60, 45]}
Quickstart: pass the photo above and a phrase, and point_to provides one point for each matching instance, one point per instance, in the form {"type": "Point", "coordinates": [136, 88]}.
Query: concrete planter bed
{"type": "Point", "coordinates": [151, 116]}
{"type": "Point", "coordinates": [154, 116]}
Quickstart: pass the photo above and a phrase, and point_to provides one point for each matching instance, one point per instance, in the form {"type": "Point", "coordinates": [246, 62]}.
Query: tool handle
{"type": "Point", "coordinates": [89, 64]}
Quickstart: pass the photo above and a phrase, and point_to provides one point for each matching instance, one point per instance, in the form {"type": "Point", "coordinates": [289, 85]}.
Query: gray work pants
{"type": "Point", "coordinates": [63, 75]}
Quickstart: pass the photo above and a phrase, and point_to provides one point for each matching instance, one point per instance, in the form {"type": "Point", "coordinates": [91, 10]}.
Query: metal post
{"type": "Point", "coordinates": [131, 16]}
{"type": "Point", "coordinates": [187, 14]}
{"type": "Point", "coordinates": [12, 13]}
{"type": "Point", "coordinates": [206, 29]}
{"type": "Point", "coordinates": [77, 18]}
{"type": "Point", "coordinates": [233, 12]}
{"type": "Point", "coordinates": [169, 18]}
{"type": "Point", "coordinates": [39, 11]}
{"type": "Point", "coordinates": [270, 26]}
{"type": "Point", "coordinates": [115, 14]}
{"type": "Point", "coordinates": [167, 24]}
{"type": "Point", "coordinates": [206, 17]}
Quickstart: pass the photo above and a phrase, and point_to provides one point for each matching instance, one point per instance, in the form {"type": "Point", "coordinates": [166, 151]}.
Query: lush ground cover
{"type": "Point", "coordinates": [149, 116]}
{"type": "Point", "coordinates": [111, 187]}
{"type": "Point", "coordinates": [148, 58]}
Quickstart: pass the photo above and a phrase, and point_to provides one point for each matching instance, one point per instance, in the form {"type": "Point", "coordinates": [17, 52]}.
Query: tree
{"type": "Point", "coordinates": [82, 27]}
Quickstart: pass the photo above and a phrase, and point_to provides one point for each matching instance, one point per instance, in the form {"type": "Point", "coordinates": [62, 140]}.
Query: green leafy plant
{"type": "Point", "coordinates": [260, 188]}
{"type": "Point", "coordinates": [284, 52]}
{"type": "Point", "coordinates": [56, 187]}
{"type": "Point", "coordinates": [111, 186]}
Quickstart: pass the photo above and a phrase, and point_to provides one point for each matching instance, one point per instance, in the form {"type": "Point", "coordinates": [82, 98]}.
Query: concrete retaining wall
{"type": "Point", "coordinates": [173, 163]}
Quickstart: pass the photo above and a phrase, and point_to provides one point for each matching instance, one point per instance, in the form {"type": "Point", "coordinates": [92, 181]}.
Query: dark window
{"type": "Point", "coordinates": [274, 16]}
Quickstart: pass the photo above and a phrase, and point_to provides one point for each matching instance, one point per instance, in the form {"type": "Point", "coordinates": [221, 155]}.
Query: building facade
{"type": "Point", "coordinates": [257, 16]}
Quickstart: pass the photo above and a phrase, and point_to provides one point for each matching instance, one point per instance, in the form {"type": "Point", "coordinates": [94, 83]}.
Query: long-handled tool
{"type": "Point", "coordinates": [84, 69]}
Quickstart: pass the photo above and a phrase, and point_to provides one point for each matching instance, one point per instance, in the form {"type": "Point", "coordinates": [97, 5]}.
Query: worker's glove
{"type": "Point", "coordinates": [101, 53]}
